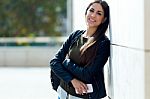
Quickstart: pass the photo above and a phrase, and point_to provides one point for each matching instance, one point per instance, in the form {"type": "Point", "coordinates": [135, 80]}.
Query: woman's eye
{"type": "Point", "coordinates": [91, 10]}
{"type": "Point", "coordinates": [99, 13]}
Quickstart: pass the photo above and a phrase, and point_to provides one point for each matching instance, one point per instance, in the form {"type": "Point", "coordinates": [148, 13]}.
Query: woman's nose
{"type": "Point", "coordinates": [93, 14]}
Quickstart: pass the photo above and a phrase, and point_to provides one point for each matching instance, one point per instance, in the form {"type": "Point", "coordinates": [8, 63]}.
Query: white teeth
{"type": "Point", "coordinates": [92, 20]}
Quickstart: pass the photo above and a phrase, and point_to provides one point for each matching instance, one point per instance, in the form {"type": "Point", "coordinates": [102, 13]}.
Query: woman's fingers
{"type": "Point", "coordinates": [84, 88]}
{"type": "Point", "coordinates": [79, 86]}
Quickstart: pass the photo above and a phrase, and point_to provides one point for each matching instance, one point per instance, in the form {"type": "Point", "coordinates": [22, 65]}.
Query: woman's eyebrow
{"type": "Point", "coordinates": [92, 9]}
{"type": "Point", "coordinates": [100, 11]}
{"type": "Point", "coordinates": [97, 11]}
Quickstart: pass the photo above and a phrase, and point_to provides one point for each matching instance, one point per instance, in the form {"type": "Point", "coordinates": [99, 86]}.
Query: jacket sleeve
{"type": "Point", "coordinates": [56, 62]}
{"type": "Point", "coordinates": [86, 73]}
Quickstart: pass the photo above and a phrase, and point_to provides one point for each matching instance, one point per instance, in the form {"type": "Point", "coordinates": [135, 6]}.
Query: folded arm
{"type": "Point", "coordinates": [86, 73]}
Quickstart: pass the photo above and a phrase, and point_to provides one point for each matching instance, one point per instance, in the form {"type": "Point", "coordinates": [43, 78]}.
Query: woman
{"type": "Point", "coordinates": [81, 58]}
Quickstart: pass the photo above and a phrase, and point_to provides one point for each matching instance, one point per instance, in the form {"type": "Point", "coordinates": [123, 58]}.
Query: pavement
{"type": "Point", "coordinates": [26, 83]}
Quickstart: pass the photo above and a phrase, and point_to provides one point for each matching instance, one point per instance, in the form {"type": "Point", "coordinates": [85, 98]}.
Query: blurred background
{"type": "Point", "coordinates": [28, 30]}
{"type": "Point", "coordinates": [31, 32]}
{"type": "Point", "coordinates": [33, 18]}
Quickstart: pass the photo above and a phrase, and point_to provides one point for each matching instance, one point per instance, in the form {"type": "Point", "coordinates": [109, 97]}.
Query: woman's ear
{"type": "Point", "coordinates": [104, 19]}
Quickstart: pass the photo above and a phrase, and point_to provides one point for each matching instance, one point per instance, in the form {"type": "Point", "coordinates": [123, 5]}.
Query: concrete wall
{"type": "Point", "coordinates": [147, 47]}
{"type": "Point", "coordinates": [26, 56]}
{"type": "Point", "coordinates": [130, 49]}
{"type": "Point", "coordinates": [128, 72]}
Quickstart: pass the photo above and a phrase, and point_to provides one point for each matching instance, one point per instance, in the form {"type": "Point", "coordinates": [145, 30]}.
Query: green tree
{"type": "Point", "coordinates": [31, 17]}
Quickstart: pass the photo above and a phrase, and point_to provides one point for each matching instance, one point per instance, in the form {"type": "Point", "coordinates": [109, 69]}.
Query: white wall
{"type": "Point", "coordinates": [128, 52]}
{"type": "Point", "coordinates": [26, 56]}
{"type": "Point", "coordinates": [130, 48]}
{"type": "Point", "coordinates": [79, 13]}
{"type": "Point", "coordinates": [147, 47]}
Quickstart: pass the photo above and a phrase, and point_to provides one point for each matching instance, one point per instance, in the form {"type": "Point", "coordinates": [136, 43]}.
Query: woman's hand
{"type": "Point", "coordinates": [79, 86]}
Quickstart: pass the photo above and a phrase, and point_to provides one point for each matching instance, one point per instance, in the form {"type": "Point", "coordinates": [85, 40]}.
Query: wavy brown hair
{"type": "Point", "coordinates": [89, 49]}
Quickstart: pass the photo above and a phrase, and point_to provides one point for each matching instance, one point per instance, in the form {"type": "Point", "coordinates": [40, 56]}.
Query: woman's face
{"type": "Point", "coordinates": [94, 16]}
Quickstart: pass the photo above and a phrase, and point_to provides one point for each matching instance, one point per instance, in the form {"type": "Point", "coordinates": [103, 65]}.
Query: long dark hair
{"type": "Point", "coordinates": [88, 51]}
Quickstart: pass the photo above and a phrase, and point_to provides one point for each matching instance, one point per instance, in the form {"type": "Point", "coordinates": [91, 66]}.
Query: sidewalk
{"type": "Point", "coordinates": [25, 83]}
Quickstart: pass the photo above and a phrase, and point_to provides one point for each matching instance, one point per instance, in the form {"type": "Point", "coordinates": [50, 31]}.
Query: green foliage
{"type": "Point", "coordinates": [19, 18]}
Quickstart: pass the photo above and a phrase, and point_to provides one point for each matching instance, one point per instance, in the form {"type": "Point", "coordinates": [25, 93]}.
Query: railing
{"type": "Point", "coordinates": [30, 41]}
{"type": "Point", "coordinates": [34, 52]}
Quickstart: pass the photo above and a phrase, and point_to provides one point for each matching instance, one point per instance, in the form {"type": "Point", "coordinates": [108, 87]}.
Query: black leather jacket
{"type": "Point", "coordinates": [66, 70]}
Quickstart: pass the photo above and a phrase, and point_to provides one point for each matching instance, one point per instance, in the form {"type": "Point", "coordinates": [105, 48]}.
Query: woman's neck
{"type": "Point", "coordinates": [89, 32]}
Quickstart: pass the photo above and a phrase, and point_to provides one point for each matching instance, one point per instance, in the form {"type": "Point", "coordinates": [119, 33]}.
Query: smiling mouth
{"type": "Point", "coordinates": [91, 20]}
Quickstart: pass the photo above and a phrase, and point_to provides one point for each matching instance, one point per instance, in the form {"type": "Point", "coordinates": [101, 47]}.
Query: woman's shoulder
{"type": "Point", "coordinates": [74, 34]}
{"type": "Point", "coordinates": [104, 41]}
{"type": "Point", "coordinates": [77, 32]}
